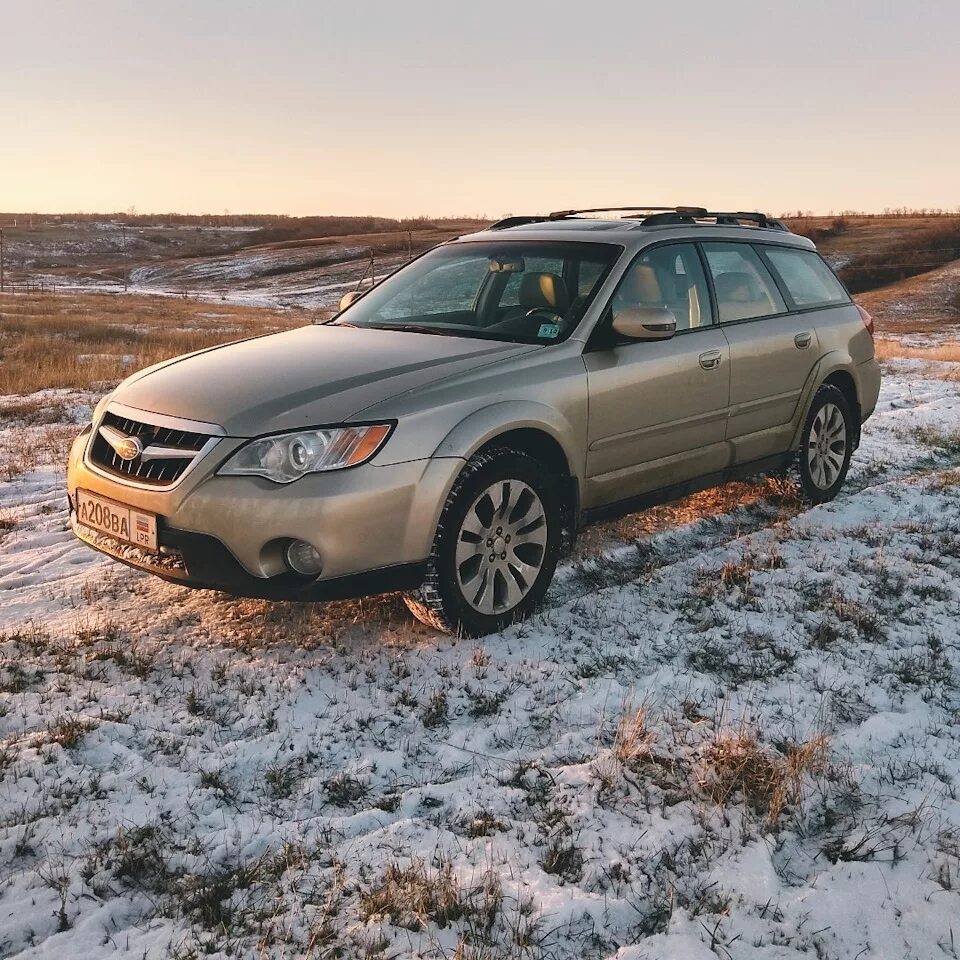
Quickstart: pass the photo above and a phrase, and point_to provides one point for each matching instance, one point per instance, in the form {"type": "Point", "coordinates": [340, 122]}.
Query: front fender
{"type": "Point", "coordinates": [486, 424]}
{"type": "Point", "coordinates": [472, 433]}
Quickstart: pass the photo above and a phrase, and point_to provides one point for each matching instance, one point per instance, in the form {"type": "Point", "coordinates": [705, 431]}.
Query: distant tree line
{"type": "Point", "coordinates": [290, 227]}
{"type": "Point", "coordinates": [309, 228]}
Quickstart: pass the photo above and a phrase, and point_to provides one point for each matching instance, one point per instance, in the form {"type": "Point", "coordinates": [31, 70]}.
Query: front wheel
{"type": "Point", "coordinates": [826, 445]}
{"type": "Point", "coordinates": [496, 546]}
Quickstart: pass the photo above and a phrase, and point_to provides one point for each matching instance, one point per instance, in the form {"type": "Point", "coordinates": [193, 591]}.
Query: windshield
{"type": "Point", "coordinates": [519, 291]}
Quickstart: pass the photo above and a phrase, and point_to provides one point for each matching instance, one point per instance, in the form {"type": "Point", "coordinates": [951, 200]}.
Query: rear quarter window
{"type": "Point", "coordinates": [806, 278]}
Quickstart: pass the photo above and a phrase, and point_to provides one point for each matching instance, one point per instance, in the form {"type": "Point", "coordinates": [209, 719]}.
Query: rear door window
{"type": "Point", "coordinates": [744, 287]}
{"type": "Point", "coordinates": [807, 279]}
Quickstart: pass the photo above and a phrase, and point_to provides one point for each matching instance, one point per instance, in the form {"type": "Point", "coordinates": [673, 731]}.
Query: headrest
{"type": "Point", "coordinates": [642, 285]}
{"type": "Point", "coordinates": [737, 287]}
{"type": "Point", "coordinates": [544, 290]}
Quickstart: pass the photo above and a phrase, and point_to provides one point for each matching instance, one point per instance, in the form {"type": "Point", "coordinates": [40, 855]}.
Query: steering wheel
{"type": "Point", "coordinates": [550, 315]}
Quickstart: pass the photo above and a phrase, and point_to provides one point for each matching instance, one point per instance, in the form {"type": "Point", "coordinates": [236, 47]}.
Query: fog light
{"type": "Point", "coordinates": [304, 558]}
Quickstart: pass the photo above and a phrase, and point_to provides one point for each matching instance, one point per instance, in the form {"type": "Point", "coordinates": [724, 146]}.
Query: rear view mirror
{"type": "Point", "coordinates": [644, 323]}
{"type": "Point", "coordinates": [504, 264]}
{"type": "Point", "coordinates": [352, 297]}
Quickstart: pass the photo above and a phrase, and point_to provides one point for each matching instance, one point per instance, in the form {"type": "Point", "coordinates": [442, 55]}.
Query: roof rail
{"type": "Point", "coordinates": [651, 216]}
{"type": "Point", "coordinates": [664, 215]}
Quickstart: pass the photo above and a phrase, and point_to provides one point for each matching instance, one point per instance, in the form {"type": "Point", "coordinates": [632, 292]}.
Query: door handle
{"type": "Point", "coordinates": [802, 340]}
{"type": "Point", "coordinates": [711, 359]}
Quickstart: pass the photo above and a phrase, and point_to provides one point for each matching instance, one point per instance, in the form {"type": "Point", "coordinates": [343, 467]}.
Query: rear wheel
{"type": "Point", "coordinates": [496, 546]}
{"type": "Point", "coordinates": [826, 445]}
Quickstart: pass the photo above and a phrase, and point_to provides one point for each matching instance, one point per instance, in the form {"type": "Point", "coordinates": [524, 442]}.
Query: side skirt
{"type": "Point", "coordinates": [675, 491]}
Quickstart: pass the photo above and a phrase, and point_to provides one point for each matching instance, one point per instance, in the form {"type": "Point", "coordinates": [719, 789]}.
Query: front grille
{"type": "Point", "coordinates": [160, 472]}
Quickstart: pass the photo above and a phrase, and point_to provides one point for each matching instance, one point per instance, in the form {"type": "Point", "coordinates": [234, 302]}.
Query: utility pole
{"type": "Point", "coordinates": [1, 259]}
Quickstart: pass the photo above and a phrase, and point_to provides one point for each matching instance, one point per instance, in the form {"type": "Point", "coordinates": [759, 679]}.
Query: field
{"type": "Point", "coordinates": [733, 731]}
{"type": "Point", "coordinates": [307, 263]}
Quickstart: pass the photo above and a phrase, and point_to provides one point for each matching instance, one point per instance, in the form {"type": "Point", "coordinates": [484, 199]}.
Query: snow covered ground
{"type": "Point", "coordinates": [254, 277]}
{"type": "Point", "coordinates": [739, 738]}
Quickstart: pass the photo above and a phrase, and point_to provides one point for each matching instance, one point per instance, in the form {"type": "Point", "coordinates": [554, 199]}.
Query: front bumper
{"type": "Point", "coordinates": [203, 562]}
{"type": "Point", "coordinates": [373, 526]}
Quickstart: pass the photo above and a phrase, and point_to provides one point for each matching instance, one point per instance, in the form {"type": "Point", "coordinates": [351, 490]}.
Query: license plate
{"type": "Point", "coordinates": [116, 520]}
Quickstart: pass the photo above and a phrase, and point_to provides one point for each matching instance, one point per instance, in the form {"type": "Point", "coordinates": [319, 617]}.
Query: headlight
{"type": "Point", "coordinates": [289, 456]}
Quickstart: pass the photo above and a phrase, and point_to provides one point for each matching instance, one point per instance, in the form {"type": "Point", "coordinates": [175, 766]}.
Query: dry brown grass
{"type": "Point", "coordinates": [895, 350]}
{"type": "Point", "coordinates": [82, 341]}
{"type": "Point", "coordinates": [414, 896]}
{"type": "Point", "coordinates": [865, 234]}
{"type": "Point", "coordinates": [633, 741]}
{"type": "Point", "coordinates": [939, 360]}
{"type": "Point", "coordinates": [929, 246]}
{"type": "Point", "coordinates": [33, 411]}
{"type": "Point", "coordinates": [8, 520]}
{"type": "Point", "coordinates": [382, 620]}
{"type": "Point", "coordinates": [726, 498]}
{"type": "Point", "coordinates": [736, 764]}
{"type": "Point", "coordinates": [21, 451]}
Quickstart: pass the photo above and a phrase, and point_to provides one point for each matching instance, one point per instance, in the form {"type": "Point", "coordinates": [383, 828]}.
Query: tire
{"type": "Point", "coordinates": [826, 444]}
{"type": "Point", "coordinates": [496, 546]}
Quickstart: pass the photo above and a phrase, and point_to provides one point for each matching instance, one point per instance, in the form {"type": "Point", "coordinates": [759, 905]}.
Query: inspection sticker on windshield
{"type": "Point", "coordinates": [548, 330]}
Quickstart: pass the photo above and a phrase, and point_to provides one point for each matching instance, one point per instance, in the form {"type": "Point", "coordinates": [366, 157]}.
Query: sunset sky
{"type": "Point", "coordinates": [486, 108]}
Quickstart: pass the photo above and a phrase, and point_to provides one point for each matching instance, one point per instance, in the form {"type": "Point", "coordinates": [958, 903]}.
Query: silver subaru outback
{"type": "Point", "coordinates": [450, 430]}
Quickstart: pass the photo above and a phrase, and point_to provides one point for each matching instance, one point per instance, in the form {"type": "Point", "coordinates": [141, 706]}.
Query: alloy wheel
{"type": "Point", "coordinates": [827, 446]}
{"type": "Point", "coordinates": [501, 547]}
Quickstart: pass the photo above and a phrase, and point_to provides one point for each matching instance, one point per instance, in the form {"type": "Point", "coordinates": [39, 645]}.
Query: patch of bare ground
{"type": "Point", "coordinates": [255, 624]}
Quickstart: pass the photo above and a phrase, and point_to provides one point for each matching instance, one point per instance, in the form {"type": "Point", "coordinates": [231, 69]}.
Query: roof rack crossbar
{"type": "Point", "coordinates": [638, 207]}
{"type": "Point", "coordinates": [508, 222]}
{"type": "Point", "coordinates": [760, 219]}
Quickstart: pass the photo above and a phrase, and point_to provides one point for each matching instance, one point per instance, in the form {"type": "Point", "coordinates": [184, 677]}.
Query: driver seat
{"type": "Point", "coordinates": [538, 291]}
{"type": "Point", "coordinates": [543, 290]}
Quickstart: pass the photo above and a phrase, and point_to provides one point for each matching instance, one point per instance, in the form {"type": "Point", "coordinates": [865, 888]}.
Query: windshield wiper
{"type": "Point", "coordinates": [422, 328]}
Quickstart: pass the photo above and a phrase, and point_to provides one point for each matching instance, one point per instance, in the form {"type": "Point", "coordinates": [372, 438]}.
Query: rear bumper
{"type": "Point", "coordinates": [868, 381]}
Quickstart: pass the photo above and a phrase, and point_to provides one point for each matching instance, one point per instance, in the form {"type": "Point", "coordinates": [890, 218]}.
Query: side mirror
{"type": "Point", "coordinates": [352, 297]}
{"type": "Point", "coordinates": [644, 323]}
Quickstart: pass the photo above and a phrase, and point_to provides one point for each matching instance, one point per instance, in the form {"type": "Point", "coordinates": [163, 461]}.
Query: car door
{"type": "Point", "coordinates": [772, 350]}
{"type": "Point", "coordinates": [657, 409]}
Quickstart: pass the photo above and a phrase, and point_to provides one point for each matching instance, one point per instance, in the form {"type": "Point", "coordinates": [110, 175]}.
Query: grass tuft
{"type": "Point", "coordinates": [735, 764]}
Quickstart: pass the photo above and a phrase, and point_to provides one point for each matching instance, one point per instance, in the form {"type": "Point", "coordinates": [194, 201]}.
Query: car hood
{"type": "Point", "coordinates": [311, 376]}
